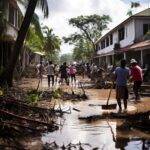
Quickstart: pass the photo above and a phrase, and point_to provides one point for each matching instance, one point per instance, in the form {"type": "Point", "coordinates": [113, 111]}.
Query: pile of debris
{"type": "Point", "coordinates": [80, 146]}
{"type": "Point", "coordinates": [20, 118]}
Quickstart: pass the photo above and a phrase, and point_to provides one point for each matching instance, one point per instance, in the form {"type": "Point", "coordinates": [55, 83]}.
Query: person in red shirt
{"type": "Point", "coordinates": [137, 77]}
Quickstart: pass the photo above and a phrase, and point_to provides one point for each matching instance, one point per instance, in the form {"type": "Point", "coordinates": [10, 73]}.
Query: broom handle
{"type": "Point", "coordinates": [38, 85]}
{"type": "Point", "coordinates": [82, 88]}
{"type": "Point", "coordinates": [109, 93]}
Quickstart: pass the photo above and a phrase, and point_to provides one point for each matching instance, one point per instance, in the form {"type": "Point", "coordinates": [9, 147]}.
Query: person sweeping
{"type": "Point", "coordinates": [121, 77]}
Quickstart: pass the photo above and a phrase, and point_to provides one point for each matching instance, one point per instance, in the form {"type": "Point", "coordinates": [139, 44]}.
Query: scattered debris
{"type": "Point", "coordinates": [114, 115]}
{"type": "Point", "coordinates": [76, 109]}
{"type": "Point", "coordinates": [70, 146]}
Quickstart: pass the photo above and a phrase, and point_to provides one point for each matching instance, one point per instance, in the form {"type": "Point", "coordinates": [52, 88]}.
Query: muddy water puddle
{"type": "Point", "coordinates": [98, 134]}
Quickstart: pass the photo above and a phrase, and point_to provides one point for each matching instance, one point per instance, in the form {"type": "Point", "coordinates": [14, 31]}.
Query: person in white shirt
{"type": "Point", "coordinates": [40, 70]}
{"type": "Point", "coordinates": [50, 73]}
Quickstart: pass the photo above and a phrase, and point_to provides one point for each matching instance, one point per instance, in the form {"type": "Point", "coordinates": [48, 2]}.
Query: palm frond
{"type": "Point", "coordinates": [36, 23]}
{"type": "Point", "coordinates": [43, 4]}
{"type": "Point", "coordinates": [135, 4]}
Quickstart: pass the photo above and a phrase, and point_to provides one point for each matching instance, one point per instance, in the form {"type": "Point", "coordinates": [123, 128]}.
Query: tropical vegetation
{"type": "Point", "coordinates": [89, 30]}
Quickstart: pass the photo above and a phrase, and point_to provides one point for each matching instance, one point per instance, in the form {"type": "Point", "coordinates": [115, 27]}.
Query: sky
{"type": "Point", "coordinates": [62, 10]}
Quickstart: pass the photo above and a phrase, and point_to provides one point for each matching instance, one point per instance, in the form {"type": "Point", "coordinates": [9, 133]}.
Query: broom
{"type": "Point", "coordinates": [109, 106]}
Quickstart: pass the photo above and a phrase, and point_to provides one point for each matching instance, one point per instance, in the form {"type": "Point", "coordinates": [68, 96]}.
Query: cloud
{"type": "Point", "coordinates": [62, 10]}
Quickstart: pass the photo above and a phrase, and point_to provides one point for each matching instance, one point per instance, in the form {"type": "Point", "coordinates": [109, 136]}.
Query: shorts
{"type": "Point", "coordinates": [121, 92]}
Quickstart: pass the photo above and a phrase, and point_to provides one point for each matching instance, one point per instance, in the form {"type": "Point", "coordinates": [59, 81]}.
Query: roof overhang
{"type": "Point", "coordinates": [104, 54]}
{"type": "Point", "coordinates": [136, 46]}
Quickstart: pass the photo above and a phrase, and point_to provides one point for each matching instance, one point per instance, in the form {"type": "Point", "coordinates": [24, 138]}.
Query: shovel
{"type": "Point", "coordinates": [109, 106]}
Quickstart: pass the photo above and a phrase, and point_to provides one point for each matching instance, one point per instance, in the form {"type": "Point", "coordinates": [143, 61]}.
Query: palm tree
{"type": "Point", "coordinates": [51, 43]}
{"type": "Point", "coordinates": [7, 75]}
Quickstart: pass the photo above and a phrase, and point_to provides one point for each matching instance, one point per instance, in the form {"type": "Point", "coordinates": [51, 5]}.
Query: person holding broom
{"type": "Point", "coordinates": [121, 77]}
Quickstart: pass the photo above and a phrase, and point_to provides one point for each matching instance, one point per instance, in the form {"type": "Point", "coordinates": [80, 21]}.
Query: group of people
{"type": "Point", "coordinates": [122, 75]}
{"type": "Point", "coordinates": [53, 71]}
{"type": "Point", "coordinates": [89, 70]}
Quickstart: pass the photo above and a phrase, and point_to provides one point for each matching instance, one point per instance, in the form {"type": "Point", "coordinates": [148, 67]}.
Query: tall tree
{"type": "Point", "coordinates": [51, 43]}
{"type": "Point", "coordinates": [82, 50]}
{"type": "Point", "coordinates": [90, 27]}
{"type": "Point", "coordinates": [66, 58]}
{"type": "Point", "coordinates": [7, 75]}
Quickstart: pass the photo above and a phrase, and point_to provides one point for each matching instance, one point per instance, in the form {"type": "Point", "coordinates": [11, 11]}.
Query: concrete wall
{"type": "Point", "coordinates": [11, 31]}
{"type": "Point", "coordinates": [129, 34]}
{"type": "Point", "coordinates": [128, 39]}
{"type": "Point", "coordinates": [139, 27]}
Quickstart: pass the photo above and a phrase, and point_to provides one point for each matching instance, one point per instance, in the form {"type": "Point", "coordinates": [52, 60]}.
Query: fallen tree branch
{"type": "Point", "coordinates": [3, 112]}
{"type": "Point", "coordinates": [19, 125]}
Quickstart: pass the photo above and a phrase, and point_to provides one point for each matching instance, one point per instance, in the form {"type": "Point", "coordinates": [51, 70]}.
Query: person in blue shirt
{"type": "Point", "coordinates": [121, 77]}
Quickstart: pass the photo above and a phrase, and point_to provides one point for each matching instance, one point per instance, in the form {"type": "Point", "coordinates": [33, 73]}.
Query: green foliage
{"type": "Point", "coordinates": [51, 44]}
{"type": "Point", "coordinates": [66, 58]}
{"type": "Point", "coordinates": [90, 29]}
{"type": "Point", "coordinates": [135, 4]}
{"type": "Point", "coordinates": [83, 50]}
{"type": "Point", "coordinates": [33, 96]}
{"type": "Point", "coordinates": [132, 6]}
{"type": "Point", "coordinates": [147, 36]}
{"type": "Point", "coordinates": [35, 22]}
{"type": "Point", "coordinates": [57, 93]}
{"type": "Point", "coordinates": [43, 4]}
{"type": "Point", "coordinates": [129, 13]}
{"type": "Point", "coordinates": [73, 38]}
{"type": "Point", "coordinates": [90, 26]}
{"type": "Point", "coordinates": [33, 41]}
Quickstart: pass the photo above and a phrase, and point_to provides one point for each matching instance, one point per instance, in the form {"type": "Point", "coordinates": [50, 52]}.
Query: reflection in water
{"type": "Point", "coordinates": [98, 133]}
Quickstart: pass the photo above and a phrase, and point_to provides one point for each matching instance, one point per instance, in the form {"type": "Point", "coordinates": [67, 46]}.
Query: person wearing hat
{"type": "Point", "coordinates": [137, 78]}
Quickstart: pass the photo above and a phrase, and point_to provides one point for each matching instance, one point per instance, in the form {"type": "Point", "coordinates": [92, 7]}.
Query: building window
{"type": "Point", "coordinates": [111, 39]}
{"type": "Point", "coordinates": [107, 41]}
{"type": "Point", "coordinates": [126, 32]}
{"type": "Point", "coordinates": [121, 34]}
{"type": "Point", "coordinates": [14, 16]}
{"type": "Point", "coordinates": [11, 14]}
{"type": "Point", "coordinates": [146, 28]}
{"type": "Point", "coordinates": [99, 46]}
{"type": "Point", "coordinates": [103, 44]}
{"type": "Point", "coordinates": [19, 19]}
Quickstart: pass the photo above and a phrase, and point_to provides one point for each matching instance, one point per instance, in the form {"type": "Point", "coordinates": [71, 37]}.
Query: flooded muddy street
{"type": "Point", "coordinates": [97, 133]}
{"type": "Point", "coordinates": [92, 134]}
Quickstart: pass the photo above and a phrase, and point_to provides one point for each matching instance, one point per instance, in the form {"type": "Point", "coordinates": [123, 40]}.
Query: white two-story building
{"type": "Point", "coordinates": [127, 40]}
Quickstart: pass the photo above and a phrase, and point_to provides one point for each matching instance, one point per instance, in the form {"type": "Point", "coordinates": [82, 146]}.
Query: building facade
{"type": "Point", "coordinates": [11, 17]}
{"type": "Point", "coordinates": [127, 40]}
{"type": "Point", "coordinates": [10, 22]}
